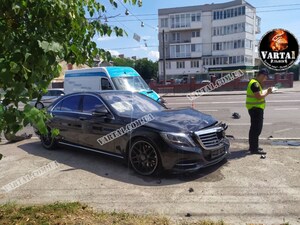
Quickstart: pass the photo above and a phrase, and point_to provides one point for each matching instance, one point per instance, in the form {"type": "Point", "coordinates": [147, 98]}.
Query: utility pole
{"type": "Point", "coordinates": [164, 57]}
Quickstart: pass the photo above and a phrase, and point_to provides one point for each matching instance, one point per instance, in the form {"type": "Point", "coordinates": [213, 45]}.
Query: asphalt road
{"type": "Point", "coordinates": [281, 119]}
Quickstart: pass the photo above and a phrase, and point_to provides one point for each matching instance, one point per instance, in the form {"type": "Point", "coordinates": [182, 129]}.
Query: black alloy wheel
{"type": "Point", "coordinates": [144, 157]}
{"type": "Point", "coordinates": [48, 141]}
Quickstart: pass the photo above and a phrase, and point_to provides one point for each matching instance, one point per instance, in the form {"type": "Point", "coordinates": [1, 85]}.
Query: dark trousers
{"type": "Point", "coordinates": [257, 119]}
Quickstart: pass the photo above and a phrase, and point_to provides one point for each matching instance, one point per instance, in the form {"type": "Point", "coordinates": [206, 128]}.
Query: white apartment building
{"type": "Point", "coordinates": [205, 40]}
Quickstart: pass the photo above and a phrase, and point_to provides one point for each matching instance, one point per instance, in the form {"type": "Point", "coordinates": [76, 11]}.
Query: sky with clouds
{"type": "Point", "coordinates": [273, 14]}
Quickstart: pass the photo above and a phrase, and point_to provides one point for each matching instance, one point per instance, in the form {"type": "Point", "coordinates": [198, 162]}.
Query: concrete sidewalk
{"type": "Point", "coordinates": [295, 88]}
{"type": "Point", "coordinates": [245, 189]}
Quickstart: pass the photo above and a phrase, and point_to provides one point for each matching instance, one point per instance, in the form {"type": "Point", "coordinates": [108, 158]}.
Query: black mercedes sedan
{"type": "Point", "coordinates": [131, 126]}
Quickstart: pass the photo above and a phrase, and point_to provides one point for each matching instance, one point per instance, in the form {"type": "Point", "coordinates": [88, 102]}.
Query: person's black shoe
{"type": "Point", "coordinates": [258, 152]}
{"type": "Point", "coordinates": [260, 149]}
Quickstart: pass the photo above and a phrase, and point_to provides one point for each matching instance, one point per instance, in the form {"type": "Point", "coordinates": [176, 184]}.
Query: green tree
{"type": "Point", "coordinates": [123, 62]}
{"type": "Point", "coordinates": [295, 69]}
{"type": "Point", "coordinates": [146, 68]}
{"type": "Point", "coordinates": [35, 37]}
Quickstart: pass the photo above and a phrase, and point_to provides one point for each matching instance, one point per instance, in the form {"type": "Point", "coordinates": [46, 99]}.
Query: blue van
{"type": "Point", "coordinates": [107, 78]}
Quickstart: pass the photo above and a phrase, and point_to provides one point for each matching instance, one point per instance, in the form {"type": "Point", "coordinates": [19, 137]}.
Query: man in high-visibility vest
{"type": "Point", "coordinates": [255, 103]}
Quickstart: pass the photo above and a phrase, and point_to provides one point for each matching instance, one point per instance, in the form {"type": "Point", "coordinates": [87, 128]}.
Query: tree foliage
{"type": "Point", "coordinates": [146, 68]}
{"type": "Point", "coordinates": [123, 62]}
{"type": "Point", "coordinates": [35, 37]}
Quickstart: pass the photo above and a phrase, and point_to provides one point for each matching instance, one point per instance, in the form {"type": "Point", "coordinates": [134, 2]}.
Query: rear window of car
{"type": "Point", "coordinates": [54, 93]}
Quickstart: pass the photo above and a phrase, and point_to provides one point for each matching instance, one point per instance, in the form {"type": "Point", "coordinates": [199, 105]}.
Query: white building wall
{"type": "Point", "coordinates": [207, 39]}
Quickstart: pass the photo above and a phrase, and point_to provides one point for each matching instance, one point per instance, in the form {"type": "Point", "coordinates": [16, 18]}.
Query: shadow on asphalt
{"type": "Point", "coordinates": [117, 169]}
{"type": "Point", "coordinates": [237, 154]}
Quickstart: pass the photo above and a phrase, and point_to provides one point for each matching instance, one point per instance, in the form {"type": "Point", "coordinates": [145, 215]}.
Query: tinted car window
{"type": "Point", "coordinates": [90, 103]}
{"type": "Point", "coordinates": [105, 84]}
{"type": "Point", "coordinates": [71, 103]}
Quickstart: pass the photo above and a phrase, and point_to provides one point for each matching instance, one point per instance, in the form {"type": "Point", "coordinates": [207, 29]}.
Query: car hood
{"type": "Point", "coordinates": [179, 120]}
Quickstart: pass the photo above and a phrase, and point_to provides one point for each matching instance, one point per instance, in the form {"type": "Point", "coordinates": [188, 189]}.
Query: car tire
{"type": "Point", "coordinates": [48, 142]}
{"type": "Point", "coordinates": [39, 105]}
{"type": "Point", "coordinates": [144, 157]}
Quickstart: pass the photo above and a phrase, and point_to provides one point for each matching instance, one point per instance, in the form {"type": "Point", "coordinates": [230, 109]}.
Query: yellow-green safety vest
{"type": "Point", "coordinates": [251, 101]}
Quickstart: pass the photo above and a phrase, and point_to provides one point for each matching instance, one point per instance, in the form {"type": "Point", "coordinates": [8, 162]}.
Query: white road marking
{"type": "Point", "coordinates": [236, 102]}
{"type": "Point", "coordinates": [282, 109]}
{"type": "Point", "coordinates": [283, 130]}
{"type": "Point", "coordinates": [208, 110]}
{"type": "Point", "coordinates": [244, 124]}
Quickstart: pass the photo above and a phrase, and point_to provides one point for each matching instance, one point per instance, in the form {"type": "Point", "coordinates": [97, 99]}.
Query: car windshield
{"type": "Point", "coordinates": [134, 83]}
{"type": "Point", "coordinates": [131, 104]}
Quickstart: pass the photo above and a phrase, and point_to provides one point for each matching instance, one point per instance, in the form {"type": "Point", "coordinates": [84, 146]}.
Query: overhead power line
{"type": "Point", "coordinates": [156, 18]}
{"type": "Point", "coordinates": [137, 19]}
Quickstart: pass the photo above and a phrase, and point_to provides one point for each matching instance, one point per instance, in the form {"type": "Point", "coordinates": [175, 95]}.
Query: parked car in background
{"type": "Point", "coordinates": [174, 139]}
{"type": "Point", "coordinates": [205, 82]}
{"type": "Point", "coordinates": [50, 96]}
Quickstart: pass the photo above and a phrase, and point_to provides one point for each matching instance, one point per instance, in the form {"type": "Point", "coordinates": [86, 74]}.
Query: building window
{"type": "Point", "coordinates": [180, 51]}
{"type": "Point", "coordinates": [249, 28]}
{"type": "Point", "coordinates": [196, 33]}
{"type": "Point", "coordinates": [228, 13]}
{"type": "Point", "coordinates": [196, 17]}
{"type": "Point", "coordinates": [180, 20]}
{"type": "Point", "coordinates": [180, 65]}
{"type": "Point", "coordinates": [248, 60]}
{"type": "Point", "coordinates": [168, 65]}
{"type": "Point", "coordinates": [195, 47]}
{"type": "Point", "coordinates": [195, 64]}
{"type": "Point", "coordinates": [164, 22]}
{"type": "Point", "coordinates": [176, 37]}
{"type": "Point", "coordinates": [248, 44]}
{"type": "Point", "coordinates": [250, 12]}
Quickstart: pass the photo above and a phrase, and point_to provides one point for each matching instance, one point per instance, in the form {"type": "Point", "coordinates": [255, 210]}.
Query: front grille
{"type": "Point", "coordinates": [210, 138]}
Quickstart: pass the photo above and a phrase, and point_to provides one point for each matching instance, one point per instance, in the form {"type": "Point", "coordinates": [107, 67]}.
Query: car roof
{"type": "Point", "coordinates": [102, 92]}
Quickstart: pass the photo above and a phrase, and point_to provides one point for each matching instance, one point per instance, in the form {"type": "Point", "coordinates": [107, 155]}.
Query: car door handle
{"type": "Point", "coordinates": [82, 118]}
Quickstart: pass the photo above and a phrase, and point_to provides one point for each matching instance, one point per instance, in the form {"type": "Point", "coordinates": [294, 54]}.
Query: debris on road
{"type": "Point", "coordinates": [262, 156]}
{"type": "Point", "coordinates": [236, 115]}
{"type": "Point", "coordinates": [230, 136]}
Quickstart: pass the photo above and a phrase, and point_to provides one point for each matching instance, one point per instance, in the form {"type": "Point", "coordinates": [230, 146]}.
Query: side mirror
{"type": "Point", "coordinates": [101, 111]}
